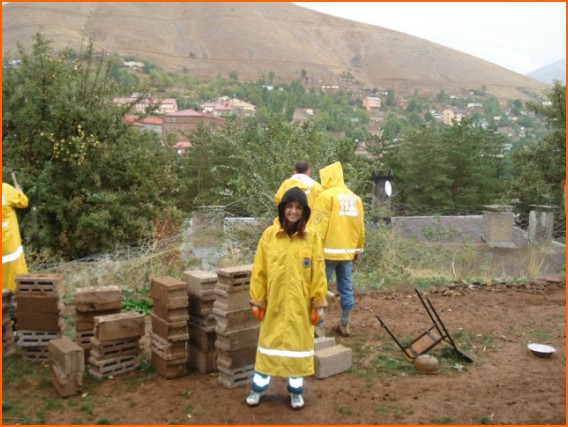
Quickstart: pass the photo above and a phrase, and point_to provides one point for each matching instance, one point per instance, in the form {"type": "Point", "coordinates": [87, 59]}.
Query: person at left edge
{"type": "Point", "coordinates": [288, 294]}
{"type": "Point", "coordinates": [13, 260]}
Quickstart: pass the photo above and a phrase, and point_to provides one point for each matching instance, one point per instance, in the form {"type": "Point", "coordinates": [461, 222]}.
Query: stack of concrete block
{"type": "Point", "coordinates": [237, 329]}
{"type": "Point", "coordinates": [329, 358]}
{"type": "Point", "coordinates": [67, 366]}
{"type": "Point", "coordinates": [89, 303]}
{"type": "Point", "coordinates": [8, 338]}
{"type": "Point", "coordinates": [201, 292]}
{"type": "Point", "coordinates": [168, 341]}
{"type": "Point", "coordinates": [115, 344]}
{"type": "Point", "coordinates": [39, 312]}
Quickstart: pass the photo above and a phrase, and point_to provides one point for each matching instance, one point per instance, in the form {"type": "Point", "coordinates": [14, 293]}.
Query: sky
{"type": "Point", "coordinates": [520, 36]}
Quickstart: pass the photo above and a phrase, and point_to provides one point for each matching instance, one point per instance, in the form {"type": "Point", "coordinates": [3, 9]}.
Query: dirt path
{"type": "Point", "coordinates": [506, 384]}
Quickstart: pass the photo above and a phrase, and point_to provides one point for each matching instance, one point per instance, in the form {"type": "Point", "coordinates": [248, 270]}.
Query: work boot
{"type": "Point", "coordinates": [342, 329]}
{"type": "Point", "coordinates": [253, 398]}
{"type": "Point", "coordinates": [297, 401]}
{"type": "Point", "coordinates": [319, 331]}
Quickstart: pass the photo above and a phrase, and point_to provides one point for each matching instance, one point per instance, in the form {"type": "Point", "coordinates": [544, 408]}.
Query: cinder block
{"type": "Point", "coordinates": [168, 350]}
{"type": "Point", "coordinates": [173, 311]}
{"type": "Point", "coordinates": [116, 366]}
{"type": "Point", "coordinates": [51, 322]}
{"type": "Point", "coordinates": [323, 342]}
{"type": "Point", "coordinates": [236, 377]}
{"type": "Point", "coordinates": [85, 321]}
{"type": "Point", "coordinates": [234, 275]}
{"type": "Point", "coordinates": [66, 355]}
{"type": "Point", "coordinates": [41, 303]}
{"type": "Point", "coordinates": [170, 331]}
{"type": "Point", "coordinates": [102, 350]}
{"type": "Point", "coordinates": [205, 323]}
{"type": "Point", "coordinates": [200, 339]}
{"type": "Point", "coordinates": [247, 337]}
{"type": "Point", "coordinates": [199, 283]}
{"type": "Point", "coordinates": [119, 326]}
{"type": "Point", "coordinates": [332, 360]}
{"type": "Point", "coordinates": [39, 284]}
{"type": "Point", "coordinates": [66, 385]}
{"type": "Point", "coordinates": [166, 289]}
{"type": "Point", "coordinates": [228, 321]}
{"type": "Point", "coordinates": [230, 360]}
{"type": "Point", "coordinates": [202, 305]}
{"type": "Point", "coordinates": [202, 361]}
{"type": "Point", "coordinates": [98, 299]}
{"type": "Point", "coordinates": [169, 368]}
{"type": "Point", "coordinates": [229, 299]}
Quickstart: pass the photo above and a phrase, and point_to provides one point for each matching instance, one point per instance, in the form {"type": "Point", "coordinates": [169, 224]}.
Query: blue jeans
{"type": "Point", "coordinates": [342, 270]}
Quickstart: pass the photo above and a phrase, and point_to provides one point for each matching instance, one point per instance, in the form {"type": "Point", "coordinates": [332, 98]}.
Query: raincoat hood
{"type": "Point", "coordinates": [332, 176]}
{"type": "Point", "coordinates": [294, 194]}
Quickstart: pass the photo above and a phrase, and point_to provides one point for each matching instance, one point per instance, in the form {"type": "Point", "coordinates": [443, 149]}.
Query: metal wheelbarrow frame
{"type": "Point", "coordinates": [430, 338]}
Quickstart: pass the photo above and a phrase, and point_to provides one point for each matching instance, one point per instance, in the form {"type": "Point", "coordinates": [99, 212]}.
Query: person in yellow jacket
{"type": "Point", "coordinates": [288, 294]}
{"type": "Point", "coordinates": [13, 260]}
{"type": "Point", "coordinates": [301, 179]}
{"type": "Point", "coordinates": [339, 220]}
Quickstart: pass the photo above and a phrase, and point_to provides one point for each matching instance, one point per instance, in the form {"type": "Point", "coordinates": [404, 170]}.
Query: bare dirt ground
{"type": "Point", "coordinates": [506, 383]}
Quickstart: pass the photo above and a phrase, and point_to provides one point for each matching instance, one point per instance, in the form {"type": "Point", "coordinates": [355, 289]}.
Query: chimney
{"type": "Point", "coordinates": [498, 223]}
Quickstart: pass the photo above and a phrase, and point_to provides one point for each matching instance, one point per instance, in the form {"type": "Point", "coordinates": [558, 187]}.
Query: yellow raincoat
{"type": "Point", "coordinates": [338, 217]}
{"type": "Point", "coordinates": [13, 261]}
{"type": "Point", "coordinates": [311, 187]}
{"type": "Point", "coordinates": [288, 279]}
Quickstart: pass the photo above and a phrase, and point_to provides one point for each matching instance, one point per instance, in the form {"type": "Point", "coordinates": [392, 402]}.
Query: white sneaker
{"type": "Point", "coordinates": [253, 398]}
{"type": "Point", "coordinates": [297, 401]}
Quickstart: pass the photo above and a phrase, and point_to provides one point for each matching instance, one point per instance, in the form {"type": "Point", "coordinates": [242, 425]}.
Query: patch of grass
{"type": "Point", "coordinates": [53, 404]}
{"type": "Point", "coordinates": [77, 421]}
{"type": "Point", "coordinates": [189, 409]}
{"type": "Point", "coordinates": [472, 343]}
{"type": "Point", "coordinates": [538, 334]}
{"type": "Point", "coordinates": [87, 406]}
{"type": "Point", "coordinates": [345, 410]}
{"type": "Point", "coordinates": [488, 419]}
{"type": "Point", "coordinates": [104, 421]}
{"type": "Point", "coordinates": [186, 393]}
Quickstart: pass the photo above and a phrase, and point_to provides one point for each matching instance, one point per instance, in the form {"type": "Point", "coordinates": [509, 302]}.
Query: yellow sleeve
{"type": "Point", "coordinates": [318, 288]}
{"type": "Point", "coordinates": [258, 280]}
{"type": "Point", "coordinates": [320, 221]}
{"type": "Point", "coordinates": [280, 193]}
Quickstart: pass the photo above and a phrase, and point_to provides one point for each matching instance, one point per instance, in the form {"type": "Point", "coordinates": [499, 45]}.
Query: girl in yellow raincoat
{"type": "Point", "coordinates": [288, 292]}
{"type": "Point", "coordinates": [13, 261]}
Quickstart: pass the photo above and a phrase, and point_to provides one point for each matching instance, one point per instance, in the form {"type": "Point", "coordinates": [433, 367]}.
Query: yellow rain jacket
{"type": "Point", "coordinates": [311, 187]}
{"type": "Point", "coordinates": [338, 217]}
{"type": "Point", "coordinates": [288, 279]}
{"type": "Point", "coordinates": [13, 261]}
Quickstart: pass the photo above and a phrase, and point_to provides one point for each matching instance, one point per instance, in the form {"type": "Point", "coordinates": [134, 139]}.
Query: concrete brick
{"type": "Point", "coordinates": [201, 339]}
{"type": "Point", "coordinates": [116, 366]}
{"type": "Point", "coordinates": [39, 284]}
{"type": "Point", "coordinates": [170, 331]}
{"type": "Point", "coordinates": [233, 320]}
{"type": "Point", "coordinates": [169, 368]}
{"type": "Point", "coordinates": [202, 305]}
{"type": "Point", "coordinates": [236, 377]}
{"type": "Point", "coordinates": [230, 360]}
{"type": "Point", "coordinates": [205, 323]}
{"type": "Point", "coordinates": [176, 311]}
{"type": "Point", "coordinates": [247, 337]}
{"type": "Point", "coordinates": [119, 326]}
{"type": "Point", "coordinates": [232, 299]}
{"type": "Point", "coordinates": [199, 282]}
{"type": "Point", "coordinates": [66, 355]}
{"type": "Point", "coordinates": [235, 275]}
{"type": "Point", "coordinates": [166, 289]}
{"type": "Point", "coordinates": [44, 303]}
{"type": "Point", "coordinates": [168, 350]}
{"type": "Point", "coordinates": [98, 299]}
{"type": "Point", "coordinates": [66, 385]}
{"type": "Point", "coordinates": [323, 342]}
{"type": "Point", "coordinates": [103, 350]}
{"type": "Point", "coordinates": [85, 321]}
{"type": "Point", "coordinates": [332, 360]}
{"type": "Point", "coordinates": [40, 322]}
{"type": "Point", "coordinates": [203, 362]}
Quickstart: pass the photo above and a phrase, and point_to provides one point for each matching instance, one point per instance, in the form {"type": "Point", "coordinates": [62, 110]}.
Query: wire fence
{"type": "Point", "coordinates": [440, 245]}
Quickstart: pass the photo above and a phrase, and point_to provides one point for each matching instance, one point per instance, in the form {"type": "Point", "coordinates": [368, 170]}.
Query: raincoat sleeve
{"type": "Point", "coordinates": [318, 288]}
{"type": "Point", "coordinates": [280, 193]}
{"type": "Point", "coordinates": [17, 199]}
{"type": "Point", "coordinates": [258, 281]}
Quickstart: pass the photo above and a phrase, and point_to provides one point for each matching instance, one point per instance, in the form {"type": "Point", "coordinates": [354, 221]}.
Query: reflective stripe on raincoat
{"type": "Point", "coordinates": [309, 186]}
{"type": "Point", "coordinates": [288, 279]}
{"type": "Point", "coordinates": [13, 261]}
{"type": "Point", "coordinates": [338, 217]}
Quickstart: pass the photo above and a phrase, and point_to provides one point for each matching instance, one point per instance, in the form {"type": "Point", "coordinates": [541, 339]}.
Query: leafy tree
{"type": "Point", "coordinates": [94, 182]}
{"type": "Point", "coordinates": [540, 167]}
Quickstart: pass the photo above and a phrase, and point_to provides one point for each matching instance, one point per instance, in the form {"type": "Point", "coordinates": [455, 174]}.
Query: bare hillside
{"type": "Point", "coordinates": [209, 39]}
